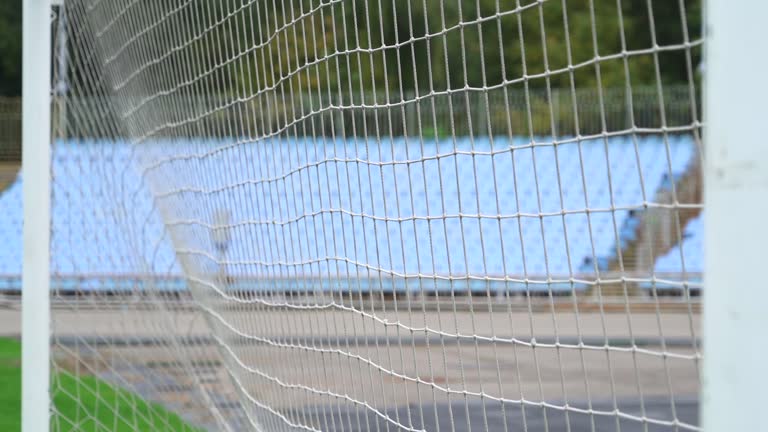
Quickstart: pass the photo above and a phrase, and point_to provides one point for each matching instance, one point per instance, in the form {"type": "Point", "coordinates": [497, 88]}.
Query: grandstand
{"type": "Point", "coordinates": [358, 214]}
{"type": "Point", "coordinates": [683, 264]}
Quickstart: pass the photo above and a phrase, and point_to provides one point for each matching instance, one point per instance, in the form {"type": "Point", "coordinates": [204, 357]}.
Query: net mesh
{"type": "Point", "coordinates": [376, 215]}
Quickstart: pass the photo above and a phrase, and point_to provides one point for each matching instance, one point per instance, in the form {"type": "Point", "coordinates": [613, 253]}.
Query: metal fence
{"type": "Point", "coordinates": [497, 112]}
{"type": "Point", "coordinates": [500, 111]}
{"type": "Point", "coordinates": [10, 129]}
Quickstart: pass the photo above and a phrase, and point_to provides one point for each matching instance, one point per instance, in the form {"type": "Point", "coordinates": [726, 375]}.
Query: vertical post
{"type": "Point", "coordinates": [736, 196]}
{"type": "Point", "coordinates": [62, 67]}
{"type": "Point", "coordinates": [221, 238]}
{"type": "Point", "coordinates": [36, 151]}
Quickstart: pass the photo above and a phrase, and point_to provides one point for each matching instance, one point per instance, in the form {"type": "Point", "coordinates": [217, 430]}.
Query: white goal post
{"type": "Point", "coordinates": [392, 215]}
{"type": "Point", "coordinates": [36, 156]}
{"type": "Point", "coordinates": [736, 199]}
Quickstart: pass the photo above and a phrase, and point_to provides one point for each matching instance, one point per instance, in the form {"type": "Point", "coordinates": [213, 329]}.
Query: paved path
{"type": "Point", "coordinates": [399, 362]}
{"type": "Point", "coordinates": [493, 417]}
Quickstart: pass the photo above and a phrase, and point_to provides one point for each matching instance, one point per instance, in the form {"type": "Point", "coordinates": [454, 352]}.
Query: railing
{"type": "Point", "coordinates": [515, 285]}
{"type": "Point", "coordinates": [496, 112]}
{"type": "Point", "coordinates": [10, 129]}
{"type": "Point", "coordinates": [499, 112]}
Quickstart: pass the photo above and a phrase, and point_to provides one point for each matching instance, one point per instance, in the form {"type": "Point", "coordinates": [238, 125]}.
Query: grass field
{"type": "Point", "coordinates": [82, 404]}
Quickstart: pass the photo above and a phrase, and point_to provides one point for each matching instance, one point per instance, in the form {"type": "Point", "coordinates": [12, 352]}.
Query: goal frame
{"type": "Point", "coordinates": [36, 171]}
{"type": "Point", "coordinates": [736, 190]}
{"type": "Point", "coordinates": [736, 178]}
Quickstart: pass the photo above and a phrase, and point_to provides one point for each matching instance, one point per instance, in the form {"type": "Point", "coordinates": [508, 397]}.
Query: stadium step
{"type": "Point", "coordinates": [660, 229]}
{"type": "Point", "coordinates": [8, 173]}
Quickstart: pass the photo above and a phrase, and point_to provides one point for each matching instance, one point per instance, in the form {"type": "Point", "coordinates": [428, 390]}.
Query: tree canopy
{"type": "Point", "coordinates": [435, 45]}
{"type": "Point", "coordinates": [10, 48]}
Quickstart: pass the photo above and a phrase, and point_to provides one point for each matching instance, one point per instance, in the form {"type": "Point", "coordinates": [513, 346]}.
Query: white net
{"type": "Point", "coordinates": [377, 215]}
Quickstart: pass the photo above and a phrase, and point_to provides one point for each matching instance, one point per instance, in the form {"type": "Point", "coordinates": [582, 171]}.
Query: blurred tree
{"type": "Point", "coordinates": [458, 43]}
{"type": "Point", "coordinates": [361, 46]}
{"type": "Point", "coordinates": [10, 48]}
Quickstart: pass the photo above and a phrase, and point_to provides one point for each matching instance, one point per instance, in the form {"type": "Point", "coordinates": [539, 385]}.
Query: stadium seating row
{"type": "Point", "coordinates": [483, 210]}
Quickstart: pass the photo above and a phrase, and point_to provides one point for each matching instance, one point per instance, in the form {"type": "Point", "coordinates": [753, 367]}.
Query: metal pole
{"type": "Point", "coordinates": [36, 151]}
{"type": "Point", "coordinates": [736, 196]}
{"type": "Point", "coordinates": [62, 84]}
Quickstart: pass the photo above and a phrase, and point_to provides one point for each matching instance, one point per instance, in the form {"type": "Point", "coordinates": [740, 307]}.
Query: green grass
{"type": "Point", "coordinates": [84, 403]}
{"type": "Point", "coordinates": [10, 383]}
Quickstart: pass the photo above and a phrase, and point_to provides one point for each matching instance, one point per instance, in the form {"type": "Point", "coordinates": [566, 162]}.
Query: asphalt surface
{"type": "Point", "coordinates": [460, 417]}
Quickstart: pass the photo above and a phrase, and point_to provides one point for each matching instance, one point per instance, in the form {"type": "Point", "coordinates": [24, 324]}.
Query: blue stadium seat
{"type": "Point", "coordinates": [339, 209]}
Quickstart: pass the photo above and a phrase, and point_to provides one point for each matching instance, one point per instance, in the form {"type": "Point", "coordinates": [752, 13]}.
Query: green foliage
{"type": "Point", "coordinates": [453, 44]}
{"type": "Point", "coordinates": [94, 404]}
{"type": "Point", "coordinates": [10, 48]}
{"type": "Point", "coordinates": [332, 47]}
